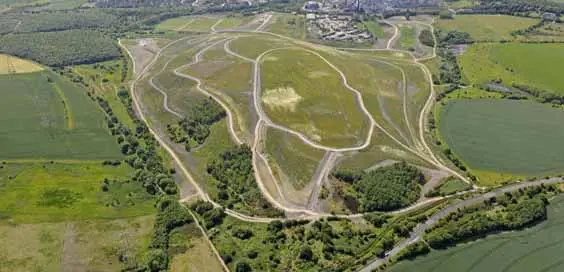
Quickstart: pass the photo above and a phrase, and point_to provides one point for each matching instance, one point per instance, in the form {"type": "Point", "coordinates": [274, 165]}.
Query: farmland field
{"type": "Point", "coordinates": [484, 63]}
{"type": "Point", "coordinates": [13, 65]}
{"type": "Point", "coordinates": [51, 120]}
{"type": "Point", "coordinates": [534, 249]}
{"type": "Point", "coordinates": [486, 27]}
{"type": "Point", "coordinates": [302, 92]}
{"type": "Point", "coordinates": [89, 245]}
{"type": "Point", "coordinates": [34, 192]}
{"type": "Point", "coordinates": [505, 136]}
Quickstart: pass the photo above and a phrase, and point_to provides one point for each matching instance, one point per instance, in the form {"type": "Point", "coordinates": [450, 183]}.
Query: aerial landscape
{"type": "Point", "coordinates": [277, 135]}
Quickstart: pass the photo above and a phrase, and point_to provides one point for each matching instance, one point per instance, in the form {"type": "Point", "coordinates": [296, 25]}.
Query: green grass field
{"type": "Point", "coordinates": [288, 25]}
{"type": "Point", "coordinates": [297, 160]}
{"type": "Point", "coordinates": [51, 120]}
{"type": "Point", "coordinates": [529, 64]}
{"type": "Point", "coordinates": [534, 249]}
{"type": "Point", "coordinates": [486, 27]}
{"type": "Point", "coordinates": [462, 4]}
{"type": "Point", "coordinates": [253, 46]}
{"type": "Point", "coordinates": [34, 192]}
{"type": "Point", "coordinates": [302, 92]}
{"type": "Point", "coordinates": [505, 136]}
{"type": "Point", "coordinates": [375, 28]}
{"type": "Point", "coordinates": [451, 185]}
{"type": "Point", "coordinates": [234, 21]}
{"type": "Point", "coordinates": [188, 23]}
{"type": "Point", "coordinates": [407, 37]}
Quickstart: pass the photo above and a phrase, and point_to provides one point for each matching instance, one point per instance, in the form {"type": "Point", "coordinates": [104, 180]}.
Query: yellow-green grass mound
{"type": "Point", "coordinates": [45, 116]}
{"type": "Point", "coordinates": [13, 65]}
{"type": "Point", "coordinates": [302, 92]}
{"type": "Point", "coordinates": [515, 138]}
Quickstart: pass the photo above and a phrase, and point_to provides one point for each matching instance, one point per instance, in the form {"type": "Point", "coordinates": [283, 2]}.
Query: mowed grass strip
{"type": "Point", "coordinates": [297, 160]}
{"type": "Point", "coordinates": [534, 249]}
{"type": "Point", "coordinates": [302, 92]}
{"type": "Point", "coordinates": [505, 136]}
{"type": "Point", "coordinates": [486, 27]}
{"type": "Point", "coordinates": [13, 65]}
{"type": "Point", "coordinates": [524, 64]}
{"type": "Point", "coordinates": [35, 192]}
{"type": "Point", "coordinates": [44, 116]}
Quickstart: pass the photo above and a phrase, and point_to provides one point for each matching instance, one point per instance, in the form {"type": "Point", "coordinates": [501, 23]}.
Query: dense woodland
{"type": "Point", "coordinates": [61, 48]}
{"type": "Point", "coordinates": [237, 187]}
{"type": "Point", "coordinates": [384, 189]}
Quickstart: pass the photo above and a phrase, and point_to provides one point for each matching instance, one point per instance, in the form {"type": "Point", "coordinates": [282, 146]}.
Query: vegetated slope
{"type": "Point", "coordinates": [506, 136]}
{"type": "Point", "coordinates": [534, 249]}
{"type": "Point", "coordinates": [486, 27]}
{"type": "Point", "coordinates": [296, 160]}
{"type": "Point", "coordinates": [302, 92]}
{"type": "Point", "coordinates": [527, 66]}
{"type": "Point", "coordinates": [61, 48]}
{"type": "Point", "coordinates": [44, 116]}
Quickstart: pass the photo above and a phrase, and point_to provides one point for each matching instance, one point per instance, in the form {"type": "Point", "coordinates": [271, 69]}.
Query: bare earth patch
{"type": "Point", "coordinates": [283, 98]}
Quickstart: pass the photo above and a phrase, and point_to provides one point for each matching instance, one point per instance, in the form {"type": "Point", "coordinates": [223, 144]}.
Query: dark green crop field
{"type": "Point", "coordinates": [51, 120]}
{"type": "Point", "coordinates": [535, 249]}
{"type": "Point", "coordinates": [505, 136]}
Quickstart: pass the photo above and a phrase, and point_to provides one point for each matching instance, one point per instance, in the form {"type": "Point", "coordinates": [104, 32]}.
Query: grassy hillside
{"type": "Point", "coordinates": [302, 92]}
{"type": "Point", "coordinates": [44, 116]}
{"type": "Point", "coordinates": [504, 136]}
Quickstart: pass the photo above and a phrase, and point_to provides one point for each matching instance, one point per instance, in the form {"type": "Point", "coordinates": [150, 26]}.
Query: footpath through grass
{"type": "Point", "coordinates": [535, 249]}
{"type": "Point", "coordinates": [505, 136]}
